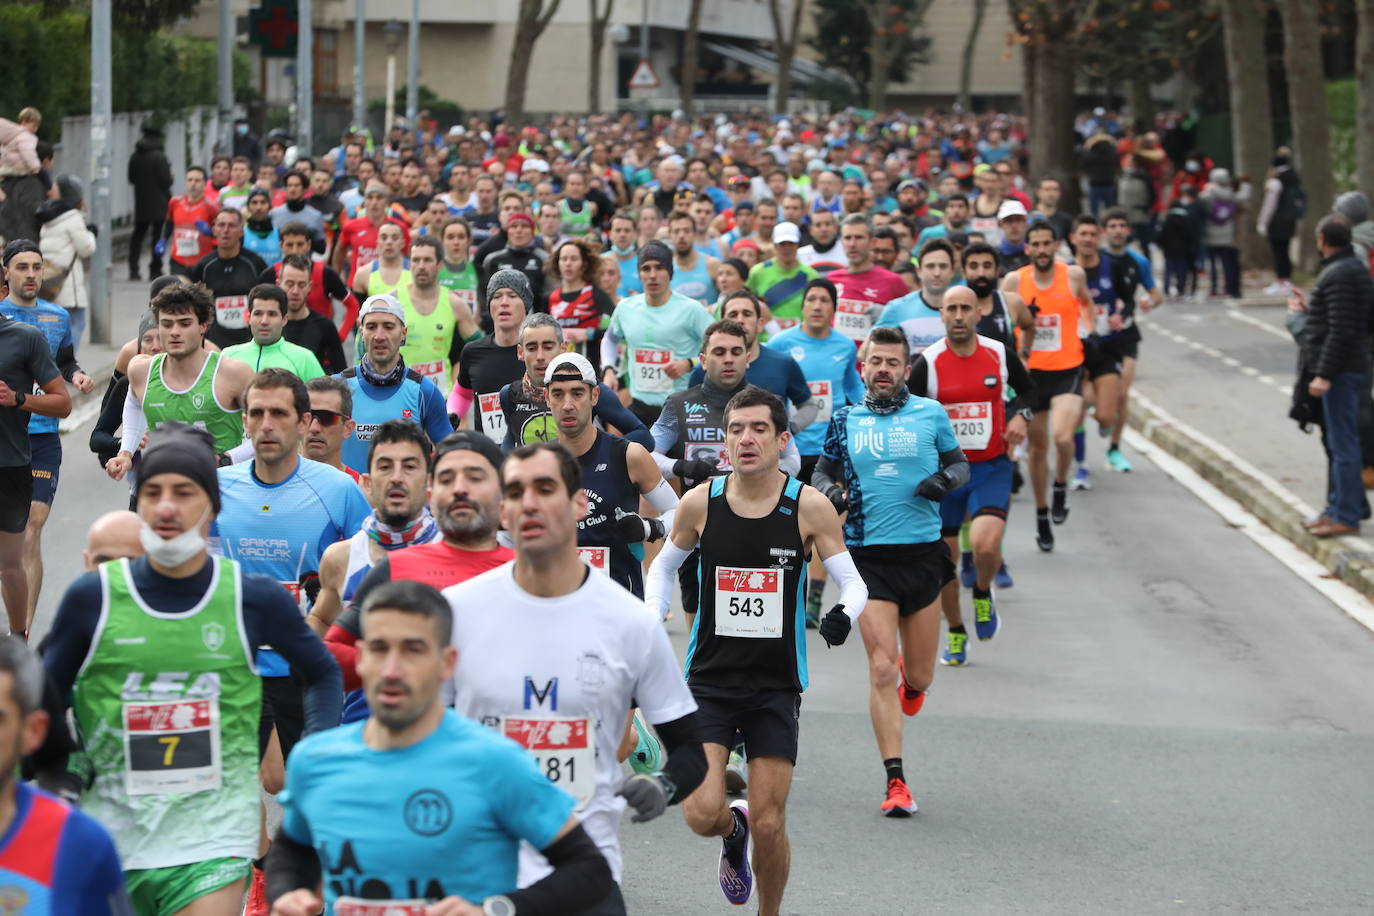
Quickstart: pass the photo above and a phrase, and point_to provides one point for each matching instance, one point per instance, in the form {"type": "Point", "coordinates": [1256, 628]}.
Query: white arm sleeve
{"type": "Point", "coordinates": [658, 585]}
{"type": "Point", "coordinates": [241, 452]}
{"type": "Point", "coordinates": [664, 501]}
{"type": "Point", "coordinates": [790, 460]}
{"type": "Point", "coordinates": [135, 423]}
{"type": "Point", "coordinates": [853, 592]}
{"type": "Point", "coordinates": [608, 349]}
{"type": "Point", "coordinates": [665, 464]}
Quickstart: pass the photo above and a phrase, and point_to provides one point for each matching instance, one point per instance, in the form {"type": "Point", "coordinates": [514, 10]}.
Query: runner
{"type": "Point", "coordinates": [771, 371]}
{"type": "Point", "coordinates": [1057, 295]}
{"type": "Point", "coordinates": [188, 222]}
{"type": "Point", "coordinates": [917, 314]}
{"type": "Point", "coordinates": [267, 309]}
{"type": "Point", "coordinates": [235, 194]}
{"type": "Point", "coordinates": [383, 387]}
{"type": "Point", "coordinates": [872, 453]}
{"type": "Point", "coordinates": [578, 215]}
{"type": "Point", "coordinates": [260, 236]}
{"type": "Point", "coordinates": [185, 382]}
{"type": "Point", "coordinates": [779, 282]}
{"type": "Point", "coordinates": [390, 269]}
{"type": "Point", "coordinates": [358, 243]}
{"type": "Point", "coordinates": [955, 218]}
{"type": "Point", "coordinates": [1137, 275]}
{"type": "Point", "coordinates": [331, 422]}
{"type": "Point", "coordinates": [1001, 314]}
{"type": "Point", "coordinates": [1101, 361]}
{"type": "Point", "coordinates": [457, 273]}
{"type": "Point", "coordinates": [53, 858]}
{"type": "Point", "coordinates": [581, 308]}
{"type": "Point", "coordinates": [296, 209]}
{"type": "Point", "coordinates": [969, 374]}
{"type": "Point", "coordinates": [305, 326]}
{"type": "Point", "coordinates": [825, 253]}
{"type": "Point", "coordinates": [746, 664]}
{"type": "Point", "coordinates": [1011, 223]}
{"type": "Point", "coordinates": [467, 796]}
{"type": "Point", "coordinates": [1047, 195]}
{"type": "Point", "coordinates": [626, 253]}
{"type": "Point", "coordinates": [864, 287]}
{"type": "Point", "coordinates": [692, 270]}
{"type": "Point", "coordinates": [327, 288]}
{"type": "Point", "coordinates": [553, 654]}
{"type": "Point", "coordinates": [229, 272]}
{"type": "Point", "coordinates": [661, 330]}
{"type": "Point", "coordinates": [112, 536]}
{"type": "Point", "coordinates": [438, 324]}
{"type": "Point", "coordinates": [492, 363]}
{"type": "Point", "coordinates": [615, 474]}
{"type": "Point", "coordinates": [173, 752]}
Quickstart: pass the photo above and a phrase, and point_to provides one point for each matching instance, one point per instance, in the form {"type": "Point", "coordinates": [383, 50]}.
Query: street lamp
{"type": "Point", "coordinates": [392, 33]}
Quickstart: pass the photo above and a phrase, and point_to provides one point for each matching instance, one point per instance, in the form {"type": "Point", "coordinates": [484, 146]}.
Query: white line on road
{"type": "Point", "coordinates": [1259, 323]}
{"type": "Point", "coordinates": [1231, 361]}
{"type": "Point", "coordinates": [1234, 514]}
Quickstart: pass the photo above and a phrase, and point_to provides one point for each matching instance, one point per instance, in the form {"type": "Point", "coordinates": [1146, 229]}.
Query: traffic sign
{"type": "Point", "coordinates": [644, 76]}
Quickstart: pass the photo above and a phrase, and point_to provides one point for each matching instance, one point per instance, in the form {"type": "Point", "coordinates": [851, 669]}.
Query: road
{"type": "Point", "coordinates": [1169, 722]}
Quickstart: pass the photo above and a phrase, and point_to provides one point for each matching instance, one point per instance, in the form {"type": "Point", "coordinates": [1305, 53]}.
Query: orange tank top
{"type": "Point", "coordinates": [1056, 344]}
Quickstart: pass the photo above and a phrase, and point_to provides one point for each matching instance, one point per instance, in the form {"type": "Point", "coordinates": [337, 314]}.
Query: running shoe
{"type": "Point", "coordinates": [647, 757]}
{"type": "Point", "coordinates": [736, 775]}
{"type": "Point", "coordinates": [1117, 461]}
{"type": "Point", "coordinates": [899, 802]}
{"type": "Point", "coordinates": [1044, 534]}
{"type": "Point", "coordinates": [736, 877]}
{"type": "Point", "coordinates": [910, 704]}
{"type": "Point", "coordinates": [986, 623]}
{"type": "Point", "coordinates": [256, 905]}
{"type": "Point", "coordinates": [1059, 505]}
{"type": "Point", "coordinates": [1081, 479]}
{"type": "Point", "coordinates": [813, 613]}
{"type": "Point", "coordinates": [955, 654]}
{"type": "Point", "coordinates": [1003, 577]}
{"type": "Point", "coordinates": [968, 573]}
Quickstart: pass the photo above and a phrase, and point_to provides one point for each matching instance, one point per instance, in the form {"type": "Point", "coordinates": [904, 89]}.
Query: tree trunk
{"type": "Point", "coordinates": [785, 46]}
{"type": "Point", "coordinates": [599, 20]}
{"type": "Point", "coordinates": [966, 67]}
{"type": "Point", "coordinates": [532, 21]}
{"type": "Point", "coordinates": [1252, 133]}
{"type": "Point", "coordinates": [1052, 139]}
{"type": "Point", "coordinates": [1302, 58]}
{"type": "Point", "coordinates": [1030, 70]}
{"type": "Point", "coordinates": [1364, 97]}
{"type": "Point", "coordinates": [691, 53]}
{"type": "Point", "coordinates": [1142, 103]}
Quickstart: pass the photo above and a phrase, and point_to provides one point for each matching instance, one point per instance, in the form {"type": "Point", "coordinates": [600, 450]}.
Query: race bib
{"type": "Point", "coordinates": [298, 596]}
{"type": "Point", "coordinates": [820, 393]}
{"type": "Point", "coordinates": [186, 242]}
{"type": "Point", "coordinates": [1048, 335]}
{"type": "Point", "coordinates": [595, 557]}
{"type": "Point", "coordinates": [647, 371]}
{"type": "Point", "coordinates": [493, 417]}
{"type": "Point", "coordinates": [468, 298]}
{"type": "Point", "coordinates": [749, 602]}
{"type": "Point", "coordinates": [231, 311]}
{"type": "Point", "coordinates": [703, 451]}
{"type": "Point", "coordinates": [353, 906]}
{"type": "Point", "coordinates": [171, 748]}
{"type": "Point", "coordinates": [972, 422]}
{"type": "Point", "coordinates": [563, 747]}
{"type": "Point", "coordinates": [786, 323]}
{"type": "Point", "coordinates": [434, 371]}
{"type": "Point", "coordinates": [851, 318]}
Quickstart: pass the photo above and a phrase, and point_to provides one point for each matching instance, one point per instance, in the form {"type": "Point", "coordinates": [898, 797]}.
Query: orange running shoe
{"type": "Point", "coordinates": [912, 699]}
{"type": "Point", "coordinates": [899, 802]}
{"type": "Point", "coordinates": [257, 895]}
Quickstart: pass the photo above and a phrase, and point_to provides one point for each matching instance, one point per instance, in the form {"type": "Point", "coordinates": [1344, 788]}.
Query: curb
{"type": "Point", "coordinates": [1350, 559]}
{"type": "Point", "coordinates": [85, 407]}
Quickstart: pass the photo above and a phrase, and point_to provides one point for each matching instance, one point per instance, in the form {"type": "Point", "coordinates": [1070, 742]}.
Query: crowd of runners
{"type": "Point", "coordinates": [424, 441]}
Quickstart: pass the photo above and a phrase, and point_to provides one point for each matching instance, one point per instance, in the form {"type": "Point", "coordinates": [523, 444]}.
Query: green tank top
{"type": "Point", "coordinates": [196, 405]}
{"type": "Point", "coordinates": [375, 285]}
{"type": "Point", "coordinates": [463, 282]}
{"type": "Point", "coordinates": [576, 224]}
{"type": "Point", "coordinates": [428, 338]}
{"type": "Point", "coordinates": [175, 753]}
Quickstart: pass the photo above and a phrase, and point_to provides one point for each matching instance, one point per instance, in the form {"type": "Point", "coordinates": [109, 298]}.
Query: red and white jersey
{"type": "Point", "coordinates": [971, 389]}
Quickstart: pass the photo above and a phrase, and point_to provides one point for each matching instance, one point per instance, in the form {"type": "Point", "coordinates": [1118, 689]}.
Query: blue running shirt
{"type": "Point", "coordinates": [50, 319]}
{"type": "Point", "coordinates": [828, 363]}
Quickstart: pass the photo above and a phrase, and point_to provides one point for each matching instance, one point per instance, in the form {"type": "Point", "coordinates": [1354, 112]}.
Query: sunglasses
{"type": "Point", "coordinates": [327, 418]}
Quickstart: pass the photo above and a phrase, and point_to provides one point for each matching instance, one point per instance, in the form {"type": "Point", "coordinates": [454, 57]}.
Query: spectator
{"type": "Point", "coordinates": [1135, 193]}
{"type": "Point", "coordinates": [1221, 203]}
{"type": "Point", "coordinates": [1284, 204]}
{"type": "Point", "coordinates": [1354, 206]}
{"type": "Point", "coordinates": [20, 179]}
{"type": "Point", "coordinates": [151, 175]}
{"type": "Point", "coordinates": [247, 145]}
{"type": "Point", "coordinates": [1100, 168]}
{"type": "Point", "coordinates": [65, 241]}
{"type": "Point", "coordinates": [1177, 240]}
{"type": "Point", "coordinates": [1335, 361]}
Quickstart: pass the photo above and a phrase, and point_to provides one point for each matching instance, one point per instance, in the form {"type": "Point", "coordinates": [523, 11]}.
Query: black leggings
{"type": "Point", "coordinates": [1283, 263]}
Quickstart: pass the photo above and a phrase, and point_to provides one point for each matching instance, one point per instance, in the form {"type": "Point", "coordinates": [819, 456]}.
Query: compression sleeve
{"type": "Point", "coordinates": [613, 413]}
{"type": "Point", "coordinates": [686, 765]}
{"type": "Point", "coordinates": [460, 400]}
{"type": "Point", "coordinates": [581, 878]}
{"type": "Point", "coordinates": [916, 379]}
{"type": "Point", "coordinates": [271, 619]}
{"type": "Point", "coordinates": [658, 584]}
{"type": "Point", "coordinates": [609, 349]}
{"type": "Point", "coordinates": [290, 866]}
{"type": "Point", "coordinates": [665, 464]}
{"type": "Point", "coordinates": [790, 461]}
{"type": "Point", "coordinates": [853, 591]}
{"type": "Point", "coordinates": [804, 416]}
{"type": "Point", "coordinates": [73, 627]}
{"type": "Point", "coordinates": [1020, 381]}
{"type": "Point", "coordinates": [104, 441]}
{"type": "Point", "coordinates": [241, 452]}
{"type": "Point", "coordinates": [664, 431]}
{"type": "Point", "coordinates": [825, 475]}
{"type": "Point", "coordinates": [435, 413]}
{"type": "Point", "coordinates": [664, 500]}
{"type": "Point", "coordinates": [508, 442]}
{"type": "Point", "coordinates": [955, 466]}
{"type": "Point", "coordinates": [135, 423]}
{"type": "Point", "coordinates": [66, 361]}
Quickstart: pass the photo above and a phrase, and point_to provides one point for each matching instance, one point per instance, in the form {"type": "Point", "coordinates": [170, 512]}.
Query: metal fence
{"type": "Point", "coordinates": [188, 140]}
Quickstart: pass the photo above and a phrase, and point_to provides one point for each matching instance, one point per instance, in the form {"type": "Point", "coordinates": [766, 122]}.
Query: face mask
{"type": "Point", "coordinates": [174, 551]}
{"type": "Point", "coordinates": [982, 286]}
{"type": "Point", "coordinates": [241, 129]}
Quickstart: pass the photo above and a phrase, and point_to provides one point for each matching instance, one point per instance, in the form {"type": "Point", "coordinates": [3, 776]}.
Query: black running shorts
{"type": "Point", "coordinates": [769, 720]}
{"type": "Point", "coordinates": [1050, 383]}
{"type": "Point", "coordinates": [16, 492]}
{"type": "Point", "coordinates": [908, 575]}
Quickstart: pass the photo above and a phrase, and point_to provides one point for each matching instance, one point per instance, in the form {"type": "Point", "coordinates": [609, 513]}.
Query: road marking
{"type": "Point", "coordinates": [1231, 361]}
{"type": "Point", "coordinates": [1237, 516]}
{"type": "Point", "coordinates": [1264, 326]}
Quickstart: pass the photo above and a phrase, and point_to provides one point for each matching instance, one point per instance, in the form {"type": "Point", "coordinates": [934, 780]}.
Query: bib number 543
{"type": "Point", "coordinates": [748, 607]}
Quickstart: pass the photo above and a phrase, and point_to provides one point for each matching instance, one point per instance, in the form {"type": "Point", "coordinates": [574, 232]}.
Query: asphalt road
{"type": "Point", "coordinates": [1169, 722]}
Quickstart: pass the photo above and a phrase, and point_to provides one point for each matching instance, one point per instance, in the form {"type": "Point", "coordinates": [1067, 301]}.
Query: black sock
{"type": "Point", "coordinates": [1042, 514]}
{"type": "Point", "coordinates": [958, 629]}
{"type": "Point", "coordinates": [980, 593]}
{"type": "Point", "coordinates": [1059, 487]}
{"type": "Point", "coordinates": [815, 588]}
{"type": "Point", "coordinates": [893, 765]}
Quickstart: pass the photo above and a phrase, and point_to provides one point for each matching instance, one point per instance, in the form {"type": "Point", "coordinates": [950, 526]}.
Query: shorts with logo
{"type": "Point", "coordinates": [1050, 383]}
{"type": "Point", "coordinates": [988, 492]}
{"type": "Point", "coordinates": [908, 575]}
{"type": "Point", "coordinates": [1100, 359]}
{"type": "Point", "coordinates": [16, 492]}
{"type": "Point", "coordinates": [768, 719]}
{"type": "Point", "coordinates": [164, 891]}
{"type": "Point", "coordinates": [45, 464]}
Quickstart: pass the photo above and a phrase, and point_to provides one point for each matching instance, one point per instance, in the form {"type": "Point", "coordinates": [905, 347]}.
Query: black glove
{"type": "Point", "coordinates": [453, 420]}
{"type": "Point", "coordinates": [648, 794]}
{"type": "Point", "coordinates": [635, 528]}
{"type": "Point", "coordinates": [310, 586]}
{"type": "Point", "coordinates": [835, 493]}
{"type": "Point", "coordinates": [834, 628]}
{"type": "Point", "coordinates": [934, 488]}
{"type": "Point", "coordinates": [696, 468]}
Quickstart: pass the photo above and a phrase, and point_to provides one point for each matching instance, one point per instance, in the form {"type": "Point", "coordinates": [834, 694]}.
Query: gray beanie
{"type": "Point", "coordinates": [70, 189]}
{"type": "Point", "coordinates": [656, 251]}
{"type": "Point", "coordinates": [1220, 176]}
{"type": "Point", "coordinates": [1354, 206]}
{"type": "Point", "coordinates": [146, 324]}
{"type": "Point", "coordinates": [512, 279]}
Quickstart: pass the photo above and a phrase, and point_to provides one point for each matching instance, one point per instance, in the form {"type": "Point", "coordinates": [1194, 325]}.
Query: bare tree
{"type": "Point", "coordinates": [691, 53]}
{"type": "Point", "coordinates": [599, 19]}
{"type": "Point", "coordinates": [1047, 30]}
{"type": "Point", "coordinates": [891, 21]}
{"type": "Point", "coordinates": [1364, 97]}
{"type": "Point", "coordinates": [1302, 59]}
{"type": "Point", "coordinates": [1252, 134]}
{"type": "Point", "coordinates": [980, 7]}
{"type": "Point", "coordinates": [785, 45]}
{"type": "Point", "coordinates": [533, 19]}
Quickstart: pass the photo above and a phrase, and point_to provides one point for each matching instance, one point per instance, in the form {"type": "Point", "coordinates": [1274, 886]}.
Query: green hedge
{"type": "Point", "coordinates": [48, 64]}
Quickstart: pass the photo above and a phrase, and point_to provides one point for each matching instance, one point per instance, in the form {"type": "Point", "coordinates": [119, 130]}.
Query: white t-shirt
{"type": "Point", "coordinates": [559, 668]}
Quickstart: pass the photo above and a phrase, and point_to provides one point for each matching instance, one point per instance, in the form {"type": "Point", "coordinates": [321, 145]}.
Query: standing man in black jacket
{"type": "Point", "coordinates": [151, 175]}
{"type": "Point", "coordinates": [1335, 352]}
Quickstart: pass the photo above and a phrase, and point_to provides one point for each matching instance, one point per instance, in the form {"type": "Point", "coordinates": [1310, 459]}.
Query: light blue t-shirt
{"type": "Point", "coordinates": [52, 320]}
{"type": "Point", "coordinates": [653, 335]}
{"type": "Point", "coordinates": [442, 817]}
{"type": "Point", "coordinates": [919, 322]}
{"type": "Point", "coordinates": [829, 365]}
{"type": "Point", "coordinates": [884, 457]}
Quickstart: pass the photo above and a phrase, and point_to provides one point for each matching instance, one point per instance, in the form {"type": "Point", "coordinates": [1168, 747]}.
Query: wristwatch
{"type": "Point", "coordinates": [498, 905]}
{"type": "Point", "coordinates": [20, 397]}
{"type": "Point", "coordinates": [1026, 414]}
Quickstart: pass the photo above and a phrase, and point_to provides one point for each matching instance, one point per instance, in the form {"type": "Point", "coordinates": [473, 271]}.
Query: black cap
{"type": "Point", "coordinates": [472, 441]}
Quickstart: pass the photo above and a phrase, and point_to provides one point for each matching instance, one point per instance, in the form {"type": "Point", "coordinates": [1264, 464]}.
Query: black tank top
{"type": "Point", "coordinates": [997, 323]}
{"type": "Point", "coordinates": [528, 417]}
{"type": "Point", "coordinates": [750, 629]}
{"type": "Point", "coordinates": [606, 481]}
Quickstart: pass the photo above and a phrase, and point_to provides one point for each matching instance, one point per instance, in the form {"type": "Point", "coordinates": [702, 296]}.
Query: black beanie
{"type": "Point", "coordinates": [657, 251]}
{"type": "Point", "coordinates": [179, 448]}
{"type": "Point", "coordinates": [472, 441]}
